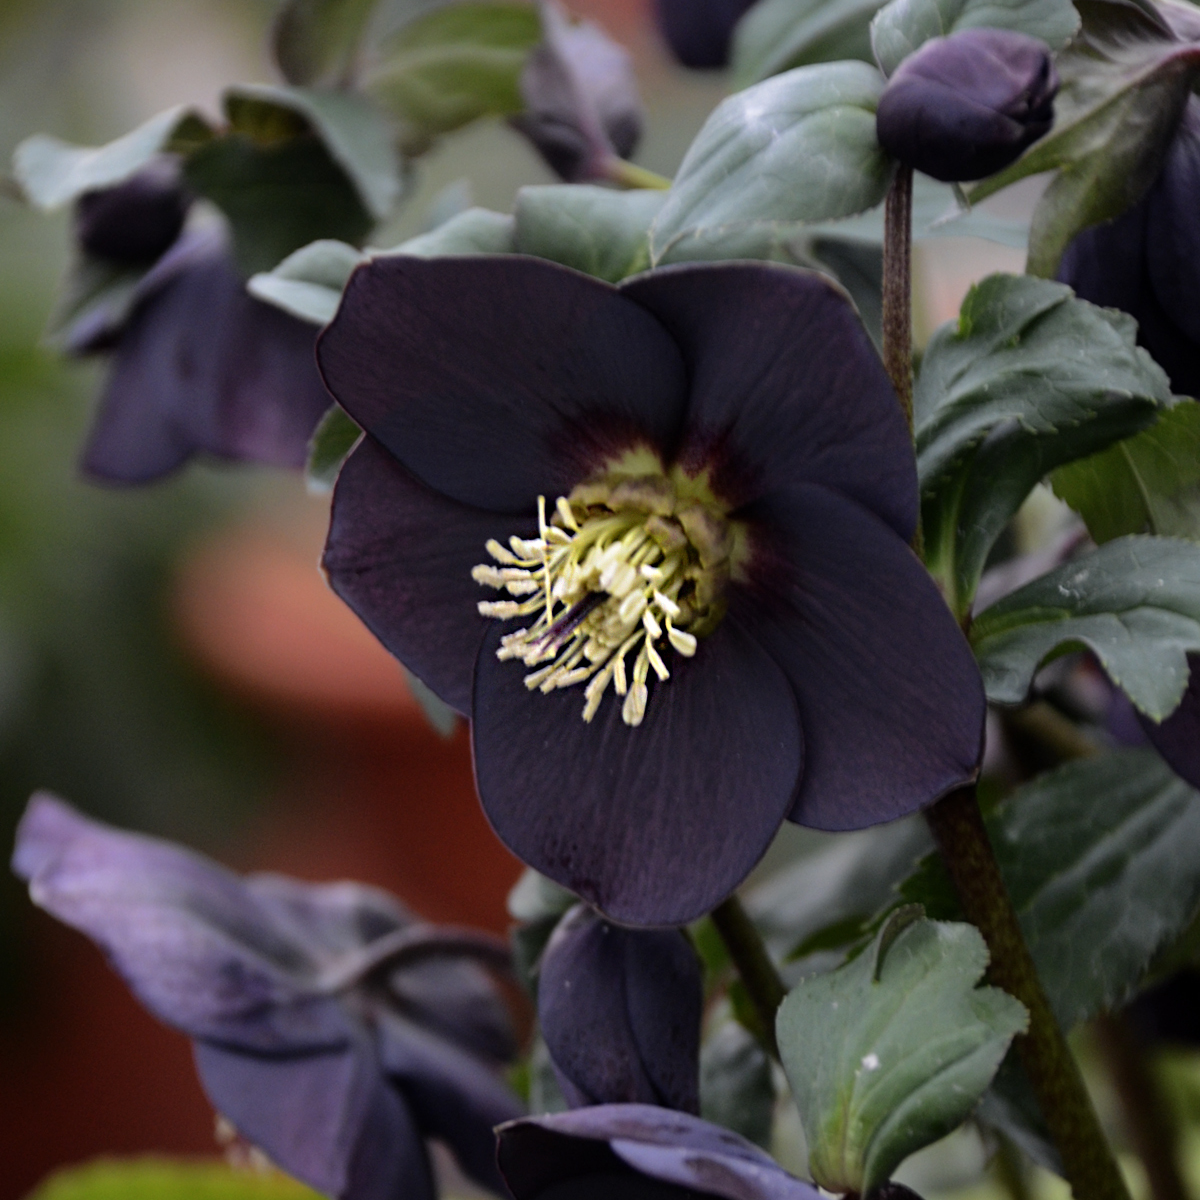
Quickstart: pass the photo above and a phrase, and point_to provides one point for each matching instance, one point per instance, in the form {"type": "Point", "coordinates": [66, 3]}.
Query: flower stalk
{"type": "Point", "coordinates": [958, 828]}
{"type": "Point", "coordinates": [749, 955]}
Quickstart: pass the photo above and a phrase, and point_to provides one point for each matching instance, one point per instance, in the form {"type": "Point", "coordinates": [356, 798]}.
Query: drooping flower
{"type": "Point", "coordinates": [198, 365]}
{"type": "Point", "coordinates": [582, 108]}
{"type": "Point", "coordinates": [699, 31]}
{"type": "Point", "coordinates": [1147, 261]}
{"type": "Point", "coordinates": [965, 106]}
{"type": "Point", "coordinates": [331, 1028]}
{"type": "Point", "coordinates": [637, 1152]}
{"type": "Point", "coordinates": [696, 491]}
{"type": "Point", "coordinates": [619, 1010]}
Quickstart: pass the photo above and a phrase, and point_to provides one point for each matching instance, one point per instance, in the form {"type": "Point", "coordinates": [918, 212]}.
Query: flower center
{"type": "Point", "coordinates": [626, 567]}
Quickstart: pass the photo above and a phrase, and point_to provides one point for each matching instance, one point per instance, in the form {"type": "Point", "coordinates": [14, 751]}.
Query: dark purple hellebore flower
{"type": "Point", "coordinates": [637, 1152]}
{"type": "Point", "coordinates": [699, 32]}
{"type": "Point", "coordinates": [198, 365]}
{"type": "Point", "coordinates": [619, 1010]}
{"type": "Point", "coordinates": [1177, 738]}
{"type": "Point", "coordinates": [1147, 261]}
{"type": "Point", "coordinates": [965, 106]}
{"type": "Point", "coordinates": [582, 108]}
{"type": "Point", "coordinates": [727, 483]}
{"type": "Point", "coordinates": [332, 1029]}
{"type": "Point", "coordinates": [138, 220]}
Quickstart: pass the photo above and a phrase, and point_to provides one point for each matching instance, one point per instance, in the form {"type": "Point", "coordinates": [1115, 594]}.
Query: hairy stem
{"type": "Point", "coordinates": [1091, 1169]}
{"type": "Point", "coordinates": [759, 976]}
{"type": "Point", "coordinates": [897, 288]}
{"type": "Point", "coordinates": [1144, 1113]}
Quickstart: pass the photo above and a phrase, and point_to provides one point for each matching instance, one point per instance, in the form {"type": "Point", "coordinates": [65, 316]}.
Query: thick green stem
{"type": "Point", "coordinates": [759, 976]}
{"type": "Point", "coordinates": [1091, 1169]}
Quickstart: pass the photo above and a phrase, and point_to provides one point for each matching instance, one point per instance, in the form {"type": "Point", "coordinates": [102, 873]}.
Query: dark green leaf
{"type": "Point", "coordinates": [736, 1090]}
{"type": "Point", "coordinates": [1145, 484]}
{"type": "Point", "coordinates": [1125, 80]}
{"type": "Point", "coordinates": [892, 1051]}
{"type": "Point", "coordinates": [751, 168]}
{"type": "Point", "coordinates": [476, 231]}
{"type": "Point", "coordinates": [596, 230]}
{"type": "Point", "coordinates": [52, 172]}
{"type": "Point", "coordinates": [904, 25]}
{"type": "Point", "coordinates": [1099, 857]}
{"type": "Point", "coordinates": [308, 284]}
{"type": "Point", "coordinates": [167, 1179]}
{"type": "Point", "coordinates": [316, 40]}
{"type": "Point", "coordinates": [1027, 379]}
{"type": "Point", "coordinates": [776, 35]}
{"type": "Point", "coordinates": [334, 438]}
{"type": "Point", "coordinates": [1134, 602]}
{"type": "Point", "coordinates": [454, 65]}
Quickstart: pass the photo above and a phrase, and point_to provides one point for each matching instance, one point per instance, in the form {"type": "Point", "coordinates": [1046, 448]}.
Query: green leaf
{"type": "Point", "coordinates": [1134, 602]}
{"type": "Point", "coordinates": [596, 230]}
{"type": "Point", "coordinates": [316, 40]}
{"type": "Point", "coordinates": [308, 283]}
{"type": "Point", "coordinates": [776, 35]}
{"type": "Point", "coordinates": [892, 1051]}
{"type": "Point", "coordinates": [1124, 82]}
{"type": "Point", "coordinates": [1027, 379]}
{"type": "Point", "coordinates": [52, 172]}
{"type": "Point", "coordinates": [353, 131]}
{"type": "Point", "coordinates": [535, 898]}
{"type": "Point", "coordinates": [1149, 483]}
{"type": "Point", "coordinates": [454, 65]}
{"type": "Point", "coordinates": [331, 444]}
{"type": "Point", "coordinates": [476, 231]}
{"type": "Point", "coordinates": [904, 25]}
{"type": "Point", "coordinates": [800, 147]}
{"type": "Point", "coordinates": [736, 1090]}
{"type": "Point", "coordinates": [167, 1179]}
{"type": "Point", "coordinates": [437, 712]}
{"type": "Point", "coordinates": [1099, 859]}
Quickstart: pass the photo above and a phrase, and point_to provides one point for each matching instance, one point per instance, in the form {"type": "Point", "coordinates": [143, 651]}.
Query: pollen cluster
{"type": "Point", "coordinates": [624, 568]}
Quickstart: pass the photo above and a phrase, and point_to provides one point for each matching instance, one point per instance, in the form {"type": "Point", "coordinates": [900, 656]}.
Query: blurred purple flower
{"type": "Point", "coordinates": [965, 106]}
{"type": "Point", "coordinates": [619, 1010]}
{"type": "Point", "coordinates": [699, 31]}
{"type": "Point", "coordinates": [582, 108]}
{"type": "Point", "coordinates": [198, 365]}
{"type": "Point", "coordinates": [637, 1152]}
{"type": "Point", "coordinates": [730, 486]}
{"type": "Point", "coordinates": [331, 1028]}
{"type": "Point", "coordinates": [1147, 261]}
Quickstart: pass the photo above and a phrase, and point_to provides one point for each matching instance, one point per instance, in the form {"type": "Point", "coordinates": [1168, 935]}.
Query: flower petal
{"type": "Point", "coordinates": [204, 366]}
{"type": "Point", "coordinates": [656, 824]}
{"type": "Point", "coordinates": [786, 386]}
{"type": "Point", "coordinates": [331, 1120]}
{"type": "Point", "coordinates": [453, 1095]}
{"type": "Point", "coordinates": [401, 555]}
{"type": "Point", "coordinates": [499, 379]}
{"type": "Point", "coordinates": [619, 1010]}
{"type": "Point", "coordinates": [187, 936]}
{"type": "Point", "coordinates": [540, 1152]}
{"type": "Point", "coordinates": [889, 694]}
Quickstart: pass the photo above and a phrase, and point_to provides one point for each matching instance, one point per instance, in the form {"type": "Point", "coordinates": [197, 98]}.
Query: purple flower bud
{"type": "Point", "coordinates": [699, 31]}
{"type": "Point", "coordinates": [581, 101]}
{"type": "Point", "coordinates": [965, 106]}
{"type": "Point", "coordinates": [136, 221]}
{"type": "Point", "coordinates": [620, 1013]}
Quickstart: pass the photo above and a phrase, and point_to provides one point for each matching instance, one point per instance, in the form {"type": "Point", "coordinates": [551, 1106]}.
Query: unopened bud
{"type": "Point", "coordinates": [965, 106]}
{"type": "Point", "coordinates": [699, 31]}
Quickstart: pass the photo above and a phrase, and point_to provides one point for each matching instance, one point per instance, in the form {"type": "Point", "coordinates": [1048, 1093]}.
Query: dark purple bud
{"type": "Point", "coordinates": [1177, 738]}
{"type": "Point", "coordinates": [620, 1013]}
{"type": "Point", "coordinates": [965, 106]}
{"type": "Point", "coordinates": [136, 221]}
{"type": "Point", "coordinates": [637, 1152]}
{"type": "Point", "coordinates": [699, 31]}
{"type": "Point", "coordinates": [581, 100]}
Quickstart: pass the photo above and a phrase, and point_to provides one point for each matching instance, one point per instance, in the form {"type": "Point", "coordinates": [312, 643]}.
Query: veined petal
{"type": "Point", "coordinates": [498, 379]}
{"type": "Point", "coordinates": [889, 694]}
{"type": "Point", "coordinates": [332, 1120]}
{"type": "Point", "coordinates": [401, 555]}
{"type": "Point", "coordinates": [786, 386]}
{"type": "Point", "coordinates": [655, 824]}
